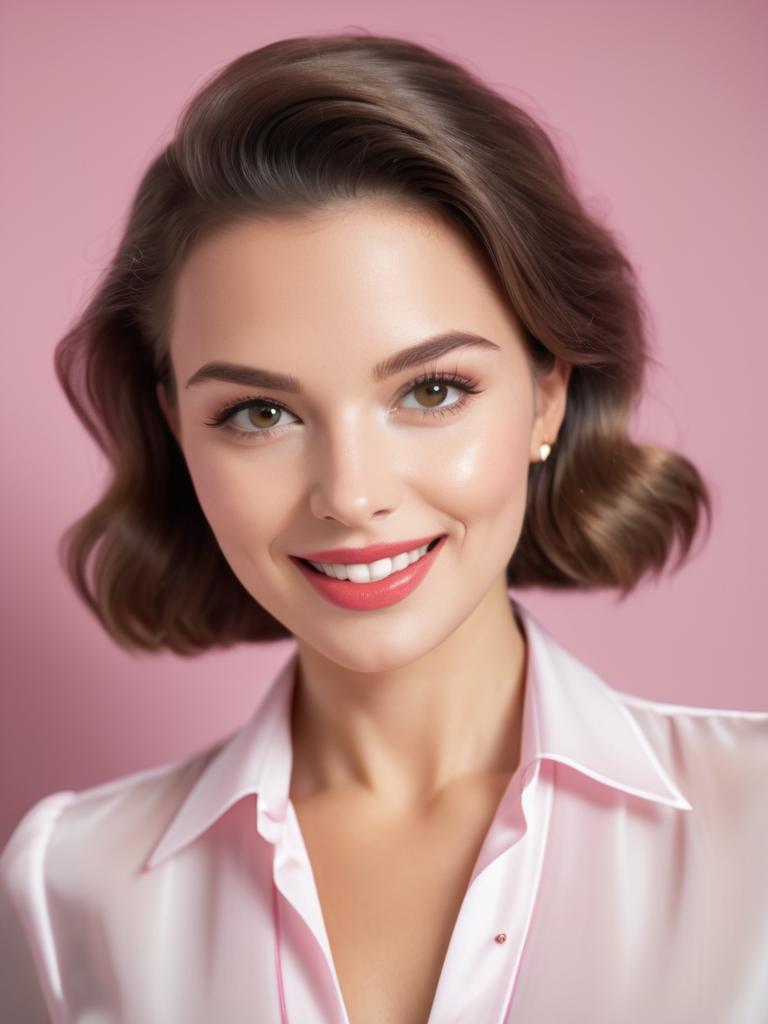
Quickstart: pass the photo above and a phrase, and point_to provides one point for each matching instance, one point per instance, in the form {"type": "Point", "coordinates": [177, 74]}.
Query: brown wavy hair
{"type": "Point", "coordinates": [285, 130]}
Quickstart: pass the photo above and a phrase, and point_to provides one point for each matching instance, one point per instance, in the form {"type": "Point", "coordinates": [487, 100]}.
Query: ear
{"type": "Point", "coordinates": [170, 413]}
{"type": "Point", "coordinates": [551, 394]}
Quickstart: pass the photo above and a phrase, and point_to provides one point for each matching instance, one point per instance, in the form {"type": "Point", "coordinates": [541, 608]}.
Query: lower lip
{"type": "Point", "coordinates": [367, 596]}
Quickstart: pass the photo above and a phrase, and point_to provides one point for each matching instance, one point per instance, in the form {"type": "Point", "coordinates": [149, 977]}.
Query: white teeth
{"type": "Point", "coordinates": [357, 573]}
{"type": "Point", "coordinates": [369, 572]}
{"type": "Point", "coordinates": [401, 561]}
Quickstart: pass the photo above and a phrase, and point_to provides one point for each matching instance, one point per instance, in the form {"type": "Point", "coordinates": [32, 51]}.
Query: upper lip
{"type": "Point", "coordinates": [371, 553]}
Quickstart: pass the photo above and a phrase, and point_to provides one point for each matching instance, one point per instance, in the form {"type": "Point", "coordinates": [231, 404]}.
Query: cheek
{"type": "Point", "coordinates": [245, 502]}
{"type": "Point", "coordinates": [475, 475]}
{"type": "Point", "coordinates": [485, 472]}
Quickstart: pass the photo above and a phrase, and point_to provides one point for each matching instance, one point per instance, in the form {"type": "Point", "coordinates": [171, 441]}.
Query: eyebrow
{"type": "Point", "coordinates": [415, 355]}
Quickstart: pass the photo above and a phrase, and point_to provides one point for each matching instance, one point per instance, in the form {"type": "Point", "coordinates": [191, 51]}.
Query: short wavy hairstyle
{"type": "Point", "coordinates": [288, 129]}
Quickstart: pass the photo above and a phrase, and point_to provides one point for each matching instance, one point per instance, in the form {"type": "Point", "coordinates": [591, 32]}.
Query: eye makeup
{"type": "Point", "coordinates": [223, 417]}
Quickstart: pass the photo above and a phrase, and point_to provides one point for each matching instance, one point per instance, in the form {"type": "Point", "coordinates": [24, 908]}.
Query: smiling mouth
{"type": "Point", "coordinates": [311, 567]}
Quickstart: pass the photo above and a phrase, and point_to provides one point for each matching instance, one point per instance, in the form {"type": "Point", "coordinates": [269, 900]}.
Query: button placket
{"type": "Point", "coordinates": [486, 948]}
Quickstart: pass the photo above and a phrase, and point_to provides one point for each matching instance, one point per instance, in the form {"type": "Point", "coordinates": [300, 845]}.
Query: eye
{"type": "Point", "coordinates": [260, 413]}
{"type": "Point", "coordinates": [262, 417]}
{"type": "Point", "coordinates": [432, 387]}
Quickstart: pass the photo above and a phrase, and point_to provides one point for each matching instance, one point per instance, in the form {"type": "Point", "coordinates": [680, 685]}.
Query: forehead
{"type": "Point", "coordinates": [369, 272]}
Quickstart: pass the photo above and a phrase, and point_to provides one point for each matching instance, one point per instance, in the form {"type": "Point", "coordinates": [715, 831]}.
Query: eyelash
{"type": "Point", "coordinates": [464, 384]}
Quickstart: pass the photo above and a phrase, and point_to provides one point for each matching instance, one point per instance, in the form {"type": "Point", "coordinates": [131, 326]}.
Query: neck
{"type": "Point", "coordinates": [408, 734]}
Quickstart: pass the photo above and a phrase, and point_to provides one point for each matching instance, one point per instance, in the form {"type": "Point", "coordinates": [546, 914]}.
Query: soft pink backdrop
{"type": "Point", "coordinates": [657, 108]}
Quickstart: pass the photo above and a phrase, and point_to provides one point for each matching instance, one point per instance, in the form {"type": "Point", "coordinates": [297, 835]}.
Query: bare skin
{"type": "Point", "coordinates": [391, 879]}
{"type": "Point", "coordinates": [407, 720]}
{"type": "Point", "coordinates": [391, 886]}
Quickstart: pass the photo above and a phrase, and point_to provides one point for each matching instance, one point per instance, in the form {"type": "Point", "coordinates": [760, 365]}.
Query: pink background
{"type": "Point", "coordinates": [657, 107]}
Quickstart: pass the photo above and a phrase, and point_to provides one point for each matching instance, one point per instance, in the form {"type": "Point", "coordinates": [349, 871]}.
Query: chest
{"type": "Point", "coordinates": [390, 892]}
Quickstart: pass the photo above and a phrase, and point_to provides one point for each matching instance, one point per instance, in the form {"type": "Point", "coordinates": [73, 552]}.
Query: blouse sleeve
{"type": "Point", "coordinates": [29, 981]}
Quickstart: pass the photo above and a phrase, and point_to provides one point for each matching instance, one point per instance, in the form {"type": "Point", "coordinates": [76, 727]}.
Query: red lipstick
{"type": "Point", "coordinates": [348, 556]}
{"type": "Point", "coordinates": [380, 593]}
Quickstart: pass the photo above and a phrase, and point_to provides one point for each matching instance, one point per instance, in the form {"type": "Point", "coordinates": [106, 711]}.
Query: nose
{"type": "Point", "coordinates": [356, 474]}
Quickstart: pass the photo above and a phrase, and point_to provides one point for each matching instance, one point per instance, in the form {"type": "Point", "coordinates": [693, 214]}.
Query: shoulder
{"type": "Point", "coordinates": [79, 840]}
{"type": "Point", "coordinates": [73, 851]}
{"type": "Point", "coordinates": [746, 732]}
{"type": "Point", "coordinates": [717, 756]}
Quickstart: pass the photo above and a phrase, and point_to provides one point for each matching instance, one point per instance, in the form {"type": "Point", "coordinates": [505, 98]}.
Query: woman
{"type": "Point", "coordinates": [362, 363]}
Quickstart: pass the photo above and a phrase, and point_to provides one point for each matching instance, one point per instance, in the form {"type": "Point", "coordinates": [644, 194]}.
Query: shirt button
{"type": "Point", "coordinates": [501, 937]}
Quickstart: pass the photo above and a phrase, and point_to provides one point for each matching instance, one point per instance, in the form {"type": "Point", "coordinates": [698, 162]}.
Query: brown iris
{"type": "Point", "coordinates": [255, 411]}
{"type": "Point", "coordinates": [433, 390]}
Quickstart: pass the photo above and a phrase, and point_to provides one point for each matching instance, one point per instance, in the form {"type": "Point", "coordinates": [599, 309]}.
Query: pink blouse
{"type": "Point", "coordinates": [624, 878]}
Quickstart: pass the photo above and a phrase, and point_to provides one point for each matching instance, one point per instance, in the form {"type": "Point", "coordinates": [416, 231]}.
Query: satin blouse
{"type": "Point", "coordinates": [626, 865]}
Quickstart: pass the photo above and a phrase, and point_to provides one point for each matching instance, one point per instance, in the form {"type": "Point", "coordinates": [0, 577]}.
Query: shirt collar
{"type": "Point", "coordinates": [569, 715]}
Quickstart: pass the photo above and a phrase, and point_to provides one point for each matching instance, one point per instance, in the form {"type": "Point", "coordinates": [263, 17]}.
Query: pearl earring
{"type": "Point", "coordinates": [544, 450]}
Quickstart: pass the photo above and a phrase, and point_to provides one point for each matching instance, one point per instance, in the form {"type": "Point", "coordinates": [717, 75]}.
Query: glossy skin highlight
{"type": "Point", "coordinates": [400, 700]}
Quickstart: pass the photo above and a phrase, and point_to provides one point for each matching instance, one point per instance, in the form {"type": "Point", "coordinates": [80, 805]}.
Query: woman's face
{"type": "Point", "coordinates": [355, 456]}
